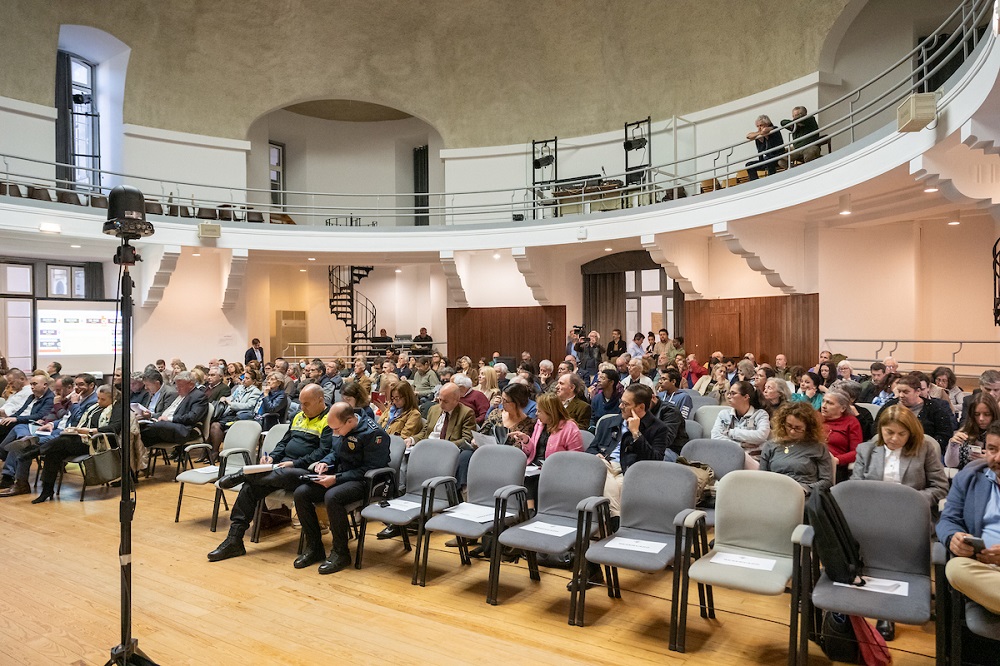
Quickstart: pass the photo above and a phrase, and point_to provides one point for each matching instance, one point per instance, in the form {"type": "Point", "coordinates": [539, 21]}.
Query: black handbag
{"type": "Point", "coordinates": [102, 467]}
{"type": "Point", "coordinates": [838, 639]}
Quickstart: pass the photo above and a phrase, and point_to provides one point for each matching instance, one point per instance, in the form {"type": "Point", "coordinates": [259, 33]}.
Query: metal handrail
{"type": "Point", "coordinates": [896, 342]}
{"type": "Point", "coordinates": [963, 32]}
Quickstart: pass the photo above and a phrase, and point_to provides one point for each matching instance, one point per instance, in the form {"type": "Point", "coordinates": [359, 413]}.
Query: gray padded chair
{"type": "Point", "coordinates": [492, 469]}
{"type": "Point", "coordinates": [271, 438]}
{"type": "Point", "coordinates": [721, 455]}
{"type": "Point", "coordinates": [657, 498]}
{"type": "Point", "coordinates": [693, 429]}
{"type": "Point", "coordinates": [706, 415]}
{"type": "Point", "coordinates": [977, 619]}
{"type": "Point", "coordinates": [428, 459]}
{"type": "Point", "coordinates": [241, 442]}
{"type": "Point", "coordinates": [872, 409]}
{"type": "Point", "coordinates": [743, 528]}
{"type": "Point", "coordinates": [691, 392]}
{"type": "Point", "coordinates": [588, 438]}
{"type": "Point", "coordinates": [895, 544]}
{"type": "Point", "coordinates": [698, 401]}
{"type": "Point", "coordinates": [569, 495]}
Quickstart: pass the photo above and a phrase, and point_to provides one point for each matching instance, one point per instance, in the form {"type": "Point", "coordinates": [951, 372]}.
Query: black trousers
{"type": "Point", "coordinates": [55, 451]}
{"type": "Point", "coordinates": [165, 432]}
{"type": "Point", "coordinates": [257, 487]}
{"type": "Point", "coordinates": [336, 499]}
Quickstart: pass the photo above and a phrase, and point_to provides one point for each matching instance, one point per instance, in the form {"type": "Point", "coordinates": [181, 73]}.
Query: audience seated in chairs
{"type": "Point", "coordinates": [744, 422]}
{"type": "Point", "coordinates": [402, 418]}
{"type": "Point", "coordinates": [182, 418]}
{"type": "Point", "coordinates": [508, 410]}
{"type": "Point", "coordinates": [768, 141]}
{"type": "Point", "coordinates": [607, 396]}
{"type": "Point", "coordinates": [240, 405]}
{"type": "Point", "coordinates": [471, 398]}
{"type": "Point", "coordinates": [935, 415]}
{"type": "Point", "coordinates": [843, 430]}
{"type": "Point", "coordinates": [969, 441]}
{"type": "Point", "coordinates": [804, 130]}
{"type": "Point", "coordinates": [572, 393]}
{"type": "Point", "coordinates": [99, 417]}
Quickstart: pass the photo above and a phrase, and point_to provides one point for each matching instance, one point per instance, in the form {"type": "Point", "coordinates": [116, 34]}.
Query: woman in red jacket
{"type": "Point", "coordinates": [843, 430]}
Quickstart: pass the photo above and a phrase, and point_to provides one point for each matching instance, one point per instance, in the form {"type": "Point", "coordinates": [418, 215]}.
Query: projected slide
{"type": "Point", "coordinates": [82, 335]}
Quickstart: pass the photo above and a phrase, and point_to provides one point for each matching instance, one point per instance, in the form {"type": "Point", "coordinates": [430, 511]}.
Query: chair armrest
{"type": "Point", "coordinates": [192, 447]}
{"type": "Point", "coordinates": [79, 459]}
{"type": "Point", "coordinates": [688, 517]}
{"type": "Point", "coordinates": [591, 504]}
{"type": "Point", "coordinates": [226, 453]}
{"type": "Point", "coordinates": [375, 473]}
{"type": "Point", "coordinates": [803, 535]}
{"type": "Point", "coordinates": [437, 481]}
{"type": "Point", "coordinates": [939, 554]}
{"type": "Point", "coordinates": [375, 476]}
{"type": "Point", "coordinates": [507, 491]}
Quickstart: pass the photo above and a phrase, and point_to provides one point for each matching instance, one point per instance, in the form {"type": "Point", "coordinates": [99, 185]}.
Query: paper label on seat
{"type": "Point", "coordinates": [473, 512]}
{"type": "Point", "coordinates": [638, 545]}
{"type": "Point", "coordinates": [745, 561]}
{"type": "Point", "coordinates": [403, 505]}
{"type": "Point", "coordinates": [548, 528]}
{"type": "Point", "coordinates": [212, 470]}
{"type": "Point", "coordinates": [532, 470]}
{"type": "Point", "coordinates": [882, 586]}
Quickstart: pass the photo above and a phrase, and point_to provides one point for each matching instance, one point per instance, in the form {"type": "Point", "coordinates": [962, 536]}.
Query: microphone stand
{"type": "Point", "coordinates": [126, 653]}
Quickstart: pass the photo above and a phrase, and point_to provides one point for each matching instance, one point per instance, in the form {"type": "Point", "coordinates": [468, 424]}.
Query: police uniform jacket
{"type": "Point", "coordinates": [365, 448]}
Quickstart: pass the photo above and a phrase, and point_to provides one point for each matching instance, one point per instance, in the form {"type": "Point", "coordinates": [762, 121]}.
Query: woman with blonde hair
{"type": "Point", "coordinates": [487, 382]}
{"type": "Point", "coordinates": [554, 431]}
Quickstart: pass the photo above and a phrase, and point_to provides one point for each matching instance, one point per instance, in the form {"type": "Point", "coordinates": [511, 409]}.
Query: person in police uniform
{"type": "Point", "coordinates": [307, 441]}
{"type": "Point", "coordinates": [359, 445]}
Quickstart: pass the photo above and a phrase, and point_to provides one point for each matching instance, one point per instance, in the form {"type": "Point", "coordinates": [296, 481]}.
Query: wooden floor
{"type": "Point", "coordinates": [62, 600]}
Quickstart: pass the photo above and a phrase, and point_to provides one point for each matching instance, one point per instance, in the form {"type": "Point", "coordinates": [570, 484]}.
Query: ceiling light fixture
{"type": "Point", "coordinates": [75, 247]}
{"type": "Point", "coordinates": [845, 204]}
{"type": "Point", "coordinates": [49, 228]}
{"type": "Point", "coordinates": [955, 219]}
{"type": "Point", "coordinates": [399, 270]}
{"type": "Point", "coordinates": [608, 249]}
{"type": "Point", "coordinates": [312, 258]}
{"type": "Point", "coordinates": [496, 255]}
{"type": "Point", "coordinates": [302, 270]}
{"type": "Point", "coordinates": [930, 189]}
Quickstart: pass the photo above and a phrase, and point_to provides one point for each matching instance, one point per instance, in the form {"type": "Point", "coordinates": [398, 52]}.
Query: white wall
{"type": "Point", "coordinates": [490, 282]}
{"type": "Point", "coordinates": [332, 156]}
{"type": "Point", "coordinates": [27, 130]}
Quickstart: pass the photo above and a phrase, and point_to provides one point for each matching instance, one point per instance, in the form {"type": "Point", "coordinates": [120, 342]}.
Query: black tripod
{"type": "Point", "coordinates": [126, 225]}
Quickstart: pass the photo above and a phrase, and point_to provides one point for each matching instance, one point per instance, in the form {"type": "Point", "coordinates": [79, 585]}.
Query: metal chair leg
{"type": "Point", "coordinates": [361, 543]}
{"type": "Point", "coordinates": [180, 496]}
{"type": "Point", "coordinates": [215, 508]}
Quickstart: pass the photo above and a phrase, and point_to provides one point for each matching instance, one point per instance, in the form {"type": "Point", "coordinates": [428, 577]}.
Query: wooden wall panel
{"type": "Point", "coordinates": [765, 326]}
{"type": "Point", "coordinates": [476, 332]}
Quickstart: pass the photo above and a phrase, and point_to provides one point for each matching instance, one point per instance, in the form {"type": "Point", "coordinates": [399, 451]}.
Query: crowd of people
{"type": "Point", "coordinates": [818, 425]}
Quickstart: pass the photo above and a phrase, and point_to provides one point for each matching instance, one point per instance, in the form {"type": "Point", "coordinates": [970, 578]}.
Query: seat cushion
{"type": "Point", "coordinates": [982, 622]}
{"type": "Point", "coordinates": [600, 553]}
{"type": "Point", "coordinates": [391, 516]}
{"type": "Point", "coordinates": [771, 582]}
{"type": "Point", "coordinates": [518, 537]}
{"type": "Point", "coordinates": [194, 477]}
{"type": "Point", "coordinates": [915, 608]}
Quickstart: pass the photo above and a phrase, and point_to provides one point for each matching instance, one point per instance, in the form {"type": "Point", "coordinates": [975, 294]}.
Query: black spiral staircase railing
{"type": "Point", "coordinates": [352, 307]}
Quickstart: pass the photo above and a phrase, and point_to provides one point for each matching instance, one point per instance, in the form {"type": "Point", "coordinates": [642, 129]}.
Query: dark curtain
{"type": "Point", "coordinates": [64, 121]}
{"type": "Point", "coordinates": [93, 272]}
{"type": "Point", "coordinates": [421, 186]}
{"type": "Point", "coordinates": [678, 323]}
{"type": "Point", "coordinates": [603, 303]}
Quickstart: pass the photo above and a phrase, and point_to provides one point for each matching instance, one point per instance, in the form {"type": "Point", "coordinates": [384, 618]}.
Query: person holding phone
{"type": "Point", "coordinates": [970, 527]}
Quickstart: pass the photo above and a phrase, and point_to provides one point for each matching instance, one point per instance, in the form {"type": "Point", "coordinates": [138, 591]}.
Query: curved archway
{"type": "Point", "coordinates": [828, 54]}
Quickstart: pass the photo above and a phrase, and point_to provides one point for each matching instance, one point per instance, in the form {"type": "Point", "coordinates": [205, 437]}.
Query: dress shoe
{"type": "Point", "coordinates": [886, 628]}
{"type": "Point", "coordinates": [390, 532]}
{"type": "Point", "coordinates": [45, 495]}
{"type": "Point", "coordinates": [29, 452]}
{"type": "Point", "coordinates": [231, 480]}
{"type": "Point", "coordinates": [231, 547]}
{"type": "Point", "coordinates": [19, 488]}
{"type": "Point", "coordinates": [309, 558]}
{"type": "Point", "coordinates": [6, 482]}
{"type": "Point", "coordinates": [336, 562]}
{"type": "Point", "coordinates": [595, 577]}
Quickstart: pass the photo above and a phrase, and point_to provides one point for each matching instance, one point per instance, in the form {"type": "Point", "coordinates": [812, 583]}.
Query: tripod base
{"type": "Point", "coordinates": [121, 656]}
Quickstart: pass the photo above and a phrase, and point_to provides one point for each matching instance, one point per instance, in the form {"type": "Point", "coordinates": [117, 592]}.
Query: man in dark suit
{"type": "Point", "coordinates": [177, 424]}
{"type": "Point", "coordinates": [35, 407]}
{"type": "Point", "coordinates": [623, 439]}
{"type": "Point", "coordinates": [255, 353]}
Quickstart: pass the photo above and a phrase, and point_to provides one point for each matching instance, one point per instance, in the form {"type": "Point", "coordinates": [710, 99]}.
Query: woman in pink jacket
{"type": "Point", "coordinates": [555, 431]}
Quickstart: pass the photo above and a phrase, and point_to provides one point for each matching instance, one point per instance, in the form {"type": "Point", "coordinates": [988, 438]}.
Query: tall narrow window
{"type": "Point", "coordinates": [421, 186]}
{"type": "Point", "coordinates": [78, 143]}
{"type": "Point", "coordinates": [276, 167]}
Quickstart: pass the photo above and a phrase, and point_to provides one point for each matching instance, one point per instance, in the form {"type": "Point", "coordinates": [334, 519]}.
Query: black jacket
{"type": "Point", "coordinates": [651, 444]}
{"type": "Point", "coordinates": [935, 416]}
{"type": "Point", "coordinates": [192, 410]}
{"type": "Point", "coordinates": [363, 449]}
{"type": "Point", "coordinates": [670, 415]}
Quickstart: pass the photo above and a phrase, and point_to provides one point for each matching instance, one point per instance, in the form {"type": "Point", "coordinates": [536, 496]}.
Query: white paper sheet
{"type": "Point", "coordinates": [882, 586]}
{"type": "Point", "coordinates": [638, 545]}
{"type": "Point", "coordinates": [403, 505]}
{"type": "Point", "coordinates": [745, 561]}
{"type": "Point", "coordinates": [473, 512]}
{"type": "Point", "coordinates": [531, 470]}
{"type": "Point", "coordinates": [209, 469]}
{"type": "Point", "coordinates": [548, 528]}
{"type": "Point", "coordinates": [479, 439]}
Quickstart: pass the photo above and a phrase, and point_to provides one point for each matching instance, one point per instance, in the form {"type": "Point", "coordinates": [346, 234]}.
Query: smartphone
{"type": "Point", "coordinates": [311, 477]}
{"type": "Point", "coordinates": [978, 545]}
{"type": "Point", "coordinates": [377, 397]}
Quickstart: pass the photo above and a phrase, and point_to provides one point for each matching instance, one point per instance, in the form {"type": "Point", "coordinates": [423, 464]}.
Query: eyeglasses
{"type": "Point", "coordinates": [794, 428]}
{"type": "Point", "coordinates": [733, 394]}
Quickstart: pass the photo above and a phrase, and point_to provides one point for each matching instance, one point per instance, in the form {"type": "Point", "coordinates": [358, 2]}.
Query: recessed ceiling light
{"type": "Point", "coordinates": [312, 258]}
{"type": "Point", "coordinates": [930, 189]}
{"type": "Point", "coordinates": [196, 254]}
{"type": "Point", "coordinates": [496, 255]}
{"type": "Point", "coordinates": [954, 223]}
{"type": "Point", "coordinates": [399, 270]}
{"type": "Point", "coordinates": [75, 247]}
{"type": "Point", "coordinates": [49, 228]}
{"type": "Point", "coordinates": [845, 204]}
{"type": "Point", "coordinates": [608, 249]}
{"type": "Point", "coordinates": [302, 270]}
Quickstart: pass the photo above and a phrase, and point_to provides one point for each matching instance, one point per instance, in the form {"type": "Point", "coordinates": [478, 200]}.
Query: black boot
{"type": "Point", "coordinates": [231, 547]}
{"type": "Point", "coordinates": [337, 561]}
{"type": "Point", "coordinates": [48, 492]}
{"type": "Point", "coordinates": [886, 628]}
{"type": "Point", "coordinates": [6, 482]}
